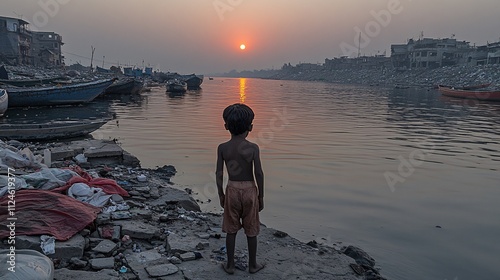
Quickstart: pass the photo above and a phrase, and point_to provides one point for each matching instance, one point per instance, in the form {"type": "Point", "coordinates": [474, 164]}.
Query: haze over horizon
{"type": "Point", "coordinates": [205, 36]}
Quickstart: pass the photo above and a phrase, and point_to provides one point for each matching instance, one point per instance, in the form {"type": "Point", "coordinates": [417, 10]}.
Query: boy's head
{"type": "Point", "coordinates": [238, 118]}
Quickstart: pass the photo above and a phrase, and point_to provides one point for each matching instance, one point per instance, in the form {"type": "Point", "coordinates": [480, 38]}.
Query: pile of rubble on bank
{"type": "Point", "coordinates": [141, 226]}
{"type": "Point", "coordinates": [450, 75]}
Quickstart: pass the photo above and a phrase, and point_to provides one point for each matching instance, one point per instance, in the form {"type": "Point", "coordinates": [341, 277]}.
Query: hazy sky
{"type": "Point", "coordinates": [203, 36]}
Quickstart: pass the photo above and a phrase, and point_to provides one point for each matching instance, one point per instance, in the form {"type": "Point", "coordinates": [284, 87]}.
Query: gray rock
{"type": "Point", "coordinates": [203, 235]}
{"type": "Point", "coordinates": [137, 229]}
{"type": "Point", "coordinates": [105, 274]}
{"type": "Point", "coordinates": [360, 256]}
{"type": "Point", "coordinates": [189, 256]}
{"type": "Point", "coordinates": [162, 270]}
{"type": "Point", "coordinates": [77, 263]}
{"type": "Point", "coordinates": [64, 249]}
{"type": "Point", "coordinates": [102, 263]}
{"type": "Point", "coordinates": [103, 218]}
{"type": "Point", "coordinates": [174, 196]}
{"type": "Point", "coordinates": [106, 247]}
{"type": "Point", "coordinates": [141, 213]}
{"type": "Point", "coordinates": [121, 215]}
{"type": "Point", "coordinates": [175, 260]}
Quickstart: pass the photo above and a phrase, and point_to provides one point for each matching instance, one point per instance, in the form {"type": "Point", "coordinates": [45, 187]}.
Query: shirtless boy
{"type": "Point", "coordinates": [243, 199]}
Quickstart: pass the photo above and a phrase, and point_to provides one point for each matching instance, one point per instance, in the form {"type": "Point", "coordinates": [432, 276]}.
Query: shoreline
{"type": "Point", "coordinates": [449, 75]}
{"type": "Point", "coordinates": [168, 232]}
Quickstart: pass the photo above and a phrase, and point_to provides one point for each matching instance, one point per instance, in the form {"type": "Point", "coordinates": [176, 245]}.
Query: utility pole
{"type": "Point", "coordinates": [103, 57]}
{"type": "Point", "coordinates": [92, 58]}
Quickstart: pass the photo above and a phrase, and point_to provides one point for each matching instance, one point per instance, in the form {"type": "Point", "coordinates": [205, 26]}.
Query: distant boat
{"type": "Point", "coordinates": [50, 130]}
{"type": "Point", "coordinates": [210, 78]}
{"type": "Point", "coordinates": [193, 81]}
{"type": "Point", "coordinates": [479, 94]}
{"type": "Point", "coordinates": [4, 101]}
{"type": "Point", "coordinates": [31, 82]}
{"type": "Point", "coordinates": [125, 86]}
{"type": "Point", "coordinates": [57, 95]}
{"type": "Point", "coordinates": [176, 86]}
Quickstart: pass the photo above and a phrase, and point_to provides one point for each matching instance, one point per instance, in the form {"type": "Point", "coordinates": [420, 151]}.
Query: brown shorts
{"type": "Point", "coordinates": [241, 208]}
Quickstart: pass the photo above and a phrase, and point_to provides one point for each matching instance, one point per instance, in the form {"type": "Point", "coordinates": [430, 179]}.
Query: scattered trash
{"type": "Point", "coordinates": [48, 244]}
{"type": "Point", "coordinates": [123, 269]}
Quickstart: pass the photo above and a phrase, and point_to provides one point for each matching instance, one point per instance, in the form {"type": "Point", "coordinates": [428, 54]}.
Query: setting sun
{"type": "Point", "coordinates": [242, 46]}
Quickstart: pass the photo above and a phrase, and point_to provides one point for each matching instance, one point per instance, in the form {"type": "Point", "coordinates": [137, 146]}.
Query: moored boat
{"type": "Point", "coordinates": [176, 86]}
{"type": "Point", "coordinates": [50, 130]}
{"type": "Point", "coordinates": [125, 86]}
{"type": "Point", "coordinates": [57, 95]}
{"type": "Point", "coordinates": [193, 81]}
{"type": "Point", "coordinates": [4, 101]}
{"type": "Point", "coordinates": [479, 94]}
{"type": "Point", "coordinates": [31, 82]}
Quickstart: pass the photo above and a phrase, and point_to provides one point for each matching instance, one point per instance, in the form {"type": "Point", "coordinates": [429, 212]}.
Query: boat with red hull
{"type": "Point", "coordinates": [479, 94]}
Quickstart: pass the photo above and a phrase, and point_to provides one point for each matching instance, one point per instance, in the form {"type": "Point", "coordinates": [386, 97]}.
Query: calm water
{"type": "Point", "coordinates": [407, 175]}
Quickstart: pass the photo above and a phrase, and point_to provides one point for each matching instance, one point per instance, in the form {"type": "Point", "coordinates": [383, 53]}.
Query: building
{"type": "Point", "coordinates": [493, 56]}
{"type": "Point", "coordinates": [46, 48]}
{"type": "Point", "coordinates": [430, 53]}
{"type": "Point", "coordinates": [15, 41]}
{"type": "Point", "coordinates": [19, 45]}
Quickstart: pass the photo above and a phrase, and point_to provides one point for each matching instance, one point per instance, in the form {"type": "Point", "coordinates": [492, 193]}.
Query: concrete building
{"type": "Point", "coordinates": [15, 41]}
{"type": "Point", "coordinates": [493, 56]}
{"type": "Point", "coordinates": [431, 53]}
{"type": "Point", "coordinates": [46, 49]}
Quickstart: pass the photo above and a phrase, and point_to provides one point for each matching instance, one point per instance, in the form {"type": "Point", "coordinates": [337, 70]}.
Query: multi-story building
{"type": "Point", "coordinates": [46, 48]}
{"type": "Point", "coordinates": [19, 45]}
{"type": "Point", "coordinates": [430, 53]}
{"type": "Point", "coordinates": [15, 41]}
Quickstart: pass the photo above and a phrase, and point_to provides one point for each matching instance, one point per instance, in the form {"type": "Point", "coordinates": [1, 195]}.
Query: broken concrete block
{"type": "Point", "coordinates": [105, 274]}
{"type": "Point", "coordinates": [162, 270]}
{"type": "Point", "coordinates": [203, 235]}
{"type": "Point", "coordinates": [102, 263]}
{"type": "Point", "coordinates": [137, 229]}
{"type": "Point", "coordinates": [189, 256]}
{"type": "Point", "coordinates": [106, 247]}
{"type": "Point", "coordinates": [64, 249]}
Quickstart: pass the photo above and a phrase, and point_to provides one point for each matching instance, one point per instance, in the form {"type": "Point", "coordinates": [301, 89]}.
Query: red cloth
{"type": "Point", "coordinates": [46, 212]}
{"type": "Point", "coordinates": [109, 186]}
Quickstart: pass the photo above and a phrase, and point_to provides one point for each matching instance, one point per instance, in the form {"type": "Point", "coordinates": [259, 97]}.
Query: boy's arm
{"type": "Point", "coordinates": [219, 175]}
{"type": "Point", "coordinates": [259, 176]}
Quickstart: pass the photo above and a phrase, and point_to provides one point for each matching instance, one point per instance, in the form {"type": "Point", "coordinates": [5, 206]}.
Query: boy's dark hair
{"type": "Point", "coordinates": [238, 118]}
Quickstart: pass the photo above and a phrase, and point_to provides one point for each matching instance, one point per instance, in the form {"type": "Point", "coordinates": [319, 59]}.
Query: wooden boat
{"type": "Point", "coordinates": [125, 86]}
{"type": "Point", "coordinates": [50, 130]}
{"type": "Point", "coordinates": [4, 101]}
{"type": "Point", "coordinates": [193, 81]}
{"type": "Point", "coordinates": [31, 82]}
{"type": "Point", "coordinates": [480, 94]}
{"type": "Point", "coordinates": [57, 95]}
{"type": "Point", "coordinates": [176, 86]}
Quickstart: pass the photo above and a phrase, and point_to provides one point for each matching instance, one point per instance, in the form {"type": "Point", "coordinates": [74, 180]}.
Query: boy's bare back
{"type": "Point", "coordinates": [240, 157]}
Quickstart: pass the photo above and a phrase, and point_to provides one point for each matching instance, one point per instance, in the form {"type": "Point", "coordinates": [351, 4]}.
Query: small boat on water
{"type": "Point", "coordinates": [193, 81]}
{"type": "Point", "coordinates": [57, 95]}
{"type": "Point", "coordinates": [4, 101]}
{"type": "Point", "coordinates": [50, 130]}
{"type": "Point", "coordinates": [470, 87]}
{"type": "Point", "coordinates": [125, 86]}
{"type": "Point", "coordinates": [478, 93]}
{"type": "Point", "coordinates": [176, 86]}
{"type": "Point", "coordinates": [31, 82]}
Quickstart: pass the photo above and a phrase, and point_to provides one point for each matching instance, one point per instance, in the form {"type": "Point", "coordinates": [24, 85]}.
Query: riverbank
{"type": "Point", "coordinates": [450, 75]}
{"type": "Point", "coordinates": [158, 231]}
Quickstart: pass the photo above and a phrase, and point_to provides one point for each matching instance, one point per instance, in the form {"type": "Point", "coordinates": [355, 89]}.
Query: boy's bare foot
{"type": "Point", "coordinates": [256, 268]}
{"type": "Point", "coordinates": [227, 269]}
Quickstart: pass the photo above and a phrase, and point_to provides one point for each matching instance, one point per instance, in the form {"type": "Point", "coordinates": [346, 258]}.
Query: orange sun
{"type": "Point", "coordinates": [242, 47]}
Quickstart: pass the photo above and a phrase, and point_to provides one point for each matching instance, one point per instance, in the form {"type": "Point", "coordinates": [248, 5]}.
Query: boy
{"type": "Point", "coordinates": [242, 201]}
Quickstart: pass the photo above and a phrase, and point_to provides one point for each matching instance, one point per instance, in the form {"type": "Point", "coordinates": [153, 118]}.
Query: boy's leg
{"type": "Point", "coordinates": [230, 244]}
{"type": "Point", "coordinates": [253, 266]}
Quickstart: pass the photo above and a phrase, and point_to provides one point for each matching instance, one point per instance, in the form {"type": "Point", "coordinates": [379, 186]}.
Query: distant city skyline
{"type": "Point", "coordinates": [205, 36]}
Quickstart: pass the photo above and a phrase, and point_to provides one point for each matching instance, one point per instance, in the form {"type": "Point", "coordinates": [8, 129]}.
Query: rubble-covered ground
{"type": "Point", "coordinates": [159, 232]}
{"type": "Point", "coordinates": [450, 75]}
